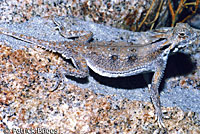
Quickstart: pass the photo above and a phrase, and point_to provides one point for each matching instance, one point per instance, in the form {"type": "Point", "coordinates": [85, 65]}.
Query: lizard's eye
{"type": "Point", "coordinates": [181, 35]}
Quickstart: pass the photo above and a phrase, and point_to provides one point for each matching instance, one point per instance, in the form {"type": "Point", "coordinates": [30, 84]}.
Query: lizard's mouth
{"type": "Point", "coordinates": [175, 49]}
{"type": "Point", "coordinates": [181, 46]}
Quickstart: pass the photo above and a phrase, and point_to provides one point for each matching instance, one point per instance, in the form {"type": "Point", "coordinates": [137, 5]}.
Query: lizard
{"type": "Point", "coordinates": [120, 59]}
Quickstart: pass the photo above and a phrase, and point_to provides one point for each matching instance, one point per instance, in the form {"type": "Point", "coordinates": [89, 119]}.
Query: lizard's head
{"type": "Point", "coordinates": [183, 35]}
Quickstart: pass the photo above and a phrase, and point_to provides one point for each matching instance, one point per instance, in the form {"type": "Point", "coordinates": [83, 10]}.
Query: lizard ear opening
{"type": "Point", "coordinates": [114, 57]}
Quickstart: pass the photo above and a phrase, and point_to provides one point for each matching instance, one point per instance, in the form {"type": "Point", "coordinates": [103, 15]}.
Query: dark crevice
{"type": "Point", "coordinates": [159, 40]}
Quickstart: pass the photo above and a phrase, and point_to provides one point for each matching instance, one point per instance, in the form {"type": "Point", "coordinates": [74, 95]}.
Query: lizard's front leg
{"type": "Point", "coordinates": [159, 72]}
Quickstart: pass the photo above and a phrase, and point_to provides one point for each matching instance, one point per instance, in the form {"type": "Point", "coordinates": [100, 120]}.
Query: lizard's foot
{"type": "Point", "coordinates": [59, 81]}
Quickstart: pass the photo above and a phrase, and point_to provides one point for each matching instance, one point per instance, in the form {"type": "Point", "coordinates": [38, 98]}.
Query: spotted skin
{"type": "Point", "coordinates": [120, 59]}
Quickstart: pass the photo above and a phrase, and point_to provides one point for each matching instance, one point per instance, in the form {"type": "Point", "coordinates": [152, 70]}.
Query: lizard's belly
{"type": "Point", "coordinates": [121, 59]}
{"type": "Point", "coordinates": [118, 69]}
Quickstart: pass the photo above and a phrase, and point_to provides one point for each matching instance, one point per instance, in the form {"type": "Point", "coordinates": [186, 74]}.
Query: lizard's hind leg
{"type": "Point", "coordinates": [78, 70]}
{"type": "Point", "coordinates": [67, 33]}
